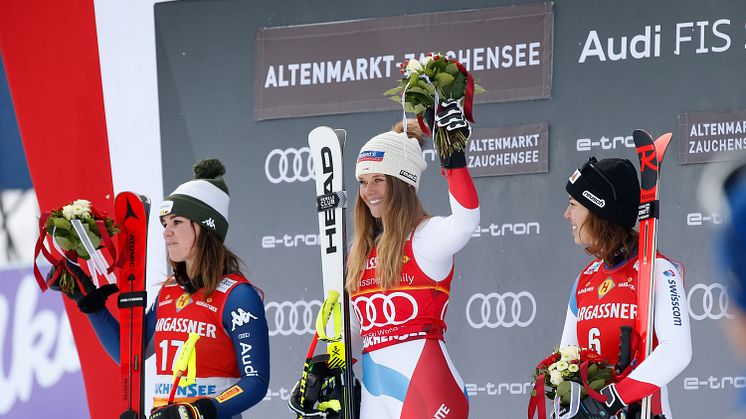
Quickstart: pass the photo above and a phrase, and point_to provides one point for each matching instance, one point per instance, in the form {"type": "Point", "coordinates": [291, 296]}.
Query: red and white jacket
{"type": "Point", "coordinates": [416, 308]}
{"type": "Point", "coordinates": [604, 298]}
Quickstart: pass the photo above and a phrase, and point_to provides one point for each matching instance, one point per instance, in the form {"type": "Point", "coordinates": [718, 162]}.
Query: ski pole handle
{"type": "Point", "coordinates": [625, 349]}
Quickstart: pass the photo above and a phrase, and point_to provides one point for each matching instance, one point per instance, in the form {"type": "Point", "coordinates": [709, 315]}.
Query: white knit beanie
{"type": "Point", "coordinates": [392, 153]}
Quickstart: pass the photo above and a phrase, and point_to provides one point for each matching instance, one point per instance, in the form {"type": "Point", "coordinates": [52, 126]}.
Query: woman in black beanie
{"type": "Point", "coordinates": [208, 295]}
{"type": "Point", "coordinates": [604, 198]}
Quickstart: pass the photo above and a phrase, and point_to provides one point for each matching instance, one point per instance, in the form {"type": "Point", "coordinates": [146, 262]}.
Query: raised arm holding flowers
{"type": "Point", "coordinates": [440, 91]}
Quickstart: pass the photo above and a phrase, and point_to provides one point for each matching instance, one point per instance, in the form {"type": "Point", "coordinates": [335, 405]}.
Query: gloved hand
{"type": "Point", "coordinates": [307, 408]}
{"type": "Point", "coordinates": [199, 409]}
{"type": "Point", "coordinates": [592, 409]}
{"type": "Point", "coordinates": [89, 298]}
{"type": "Point", "coordinates": [614, 404]}
{"type": "Point", "coordinates": [451, 118]}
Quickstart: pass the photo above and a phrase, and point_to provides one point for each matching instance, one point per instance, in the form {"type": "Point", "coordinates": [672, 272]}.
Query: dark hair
{"type": "Point", "coordinates": [608, 238]}
{"type": "Point", "coordinates": [212, 262]}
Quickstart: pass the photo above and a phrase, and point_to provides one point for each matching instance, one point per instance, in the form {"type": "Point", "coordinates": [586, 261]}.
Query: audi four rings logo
{"type": "Point", "coordinates": [289, 165]}
{"type": "Point", "coordinates": [709, 301]}
{"type": "Point", "coordinates": [292, 317]}
{"type": "Point", "coordinates": [381, 310]}
{"type": "Point", "coordinates": [491, 310]}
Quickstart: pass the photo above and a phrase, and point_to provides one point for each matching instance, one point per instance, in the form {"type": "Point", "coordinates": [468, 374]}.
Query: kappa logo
{"type": "Point", "coordinates": [241, 318]}
{"type": "Point", "coordinates": [408, 175]}
{"type": "Point", "coordinates": [593, 198]}
{"type": "Point", "coordinates": [210, 222]}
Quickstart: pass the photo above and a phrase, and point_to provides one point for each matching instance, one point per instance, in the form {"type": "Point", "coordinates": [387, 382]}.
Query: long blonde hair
{"type": "Point", "coordinates": [401, 212]}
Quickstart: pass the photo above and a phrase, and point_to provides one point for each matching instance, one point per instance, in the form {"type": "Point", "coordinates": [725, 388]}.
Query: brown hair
{"type": "Point", "coordinates": [401, 212]}
{"type": "Point", "coordinates": [413, 130]}
{"type": "Point", "coordinates": [213, 261]}
{"type": "Point", "coordinates": [608, 238]}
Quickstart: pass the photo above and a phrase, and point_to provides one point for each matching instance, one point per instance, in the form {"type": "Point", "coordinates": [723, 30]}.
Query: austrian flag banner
{"type": "Point", "coordinates": [506, 49]}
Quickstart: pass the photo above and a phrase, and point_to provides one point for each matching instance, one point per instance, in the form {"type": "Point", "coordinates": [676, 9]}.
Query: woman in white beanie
{"type": "Point", "coordinates": [206, 294]}
{"type": "Point", "coordinates": [399, 273]}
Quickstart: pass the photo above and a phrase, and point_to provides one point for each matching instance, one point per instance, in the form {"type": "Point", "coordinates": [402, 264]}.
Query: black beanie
{"type": "Point", "coordinates": [608, 188]}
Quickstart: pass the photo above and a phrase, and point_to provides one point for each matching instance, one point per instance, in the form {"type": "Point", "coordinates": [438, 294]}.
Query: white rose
{"type": "Point", "coordinates": [555, 377]}
{"type": "Point", "coordinates": [552, 367]}
{"type": "Point", "coordinates": [569, 353]}
{"type": "Point", "coordinates": [83, 203]}
{"type": "Point", "coordinates": [562, 365]}
{"type": "Point", "coordinates": [573, 368]}
{"type": "Point", "coordinates": [78, 209]}
{"type": "Point", "coordinates": [67, 212]}
{"type": "Point", "coordinates": [414, 66]}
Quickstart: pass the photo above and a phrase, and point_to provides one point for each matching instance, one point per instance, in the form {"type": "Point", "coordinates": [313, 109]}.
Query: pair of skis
{"type": "Point", "coordinates": [327, 147]}
{"type": "Point", "coordinates": [650, 154]}
{"type": "Point", "coordinates": [131, 212]}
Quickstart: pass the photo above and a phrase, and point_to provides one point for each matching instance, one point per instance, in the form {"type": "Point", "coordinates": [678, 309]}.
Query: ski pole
{"type": "Point", "coordinates": [187, 361]}
{"type": "Point", "coordinates": [625, 349]}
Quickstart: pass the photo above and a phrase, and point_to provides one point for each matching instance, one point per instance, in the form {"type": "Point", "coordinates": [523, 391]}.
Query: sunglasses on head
{"type": "Point", "coordinates": [590, 164]}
